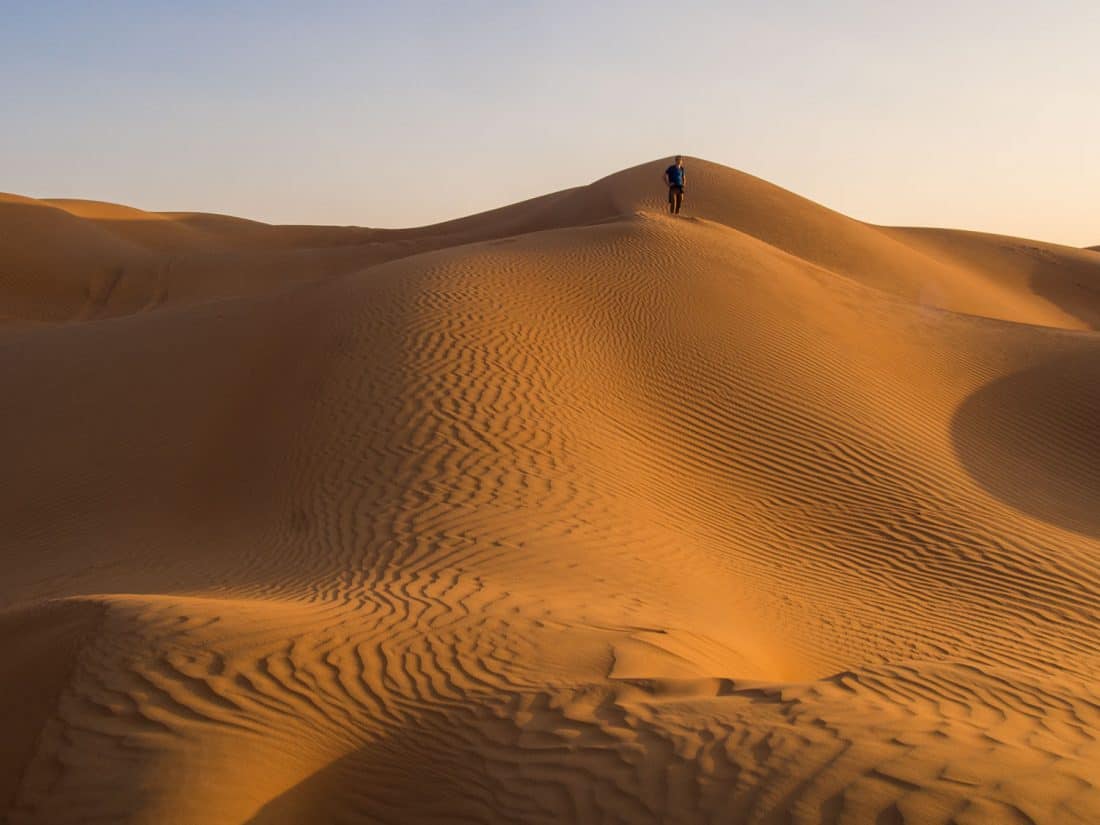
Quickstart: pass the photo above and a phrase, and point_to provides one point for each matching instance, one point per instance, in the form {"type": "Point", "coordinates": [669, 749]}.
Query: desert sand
{"type": "Point", "coordinates": [571, 511]}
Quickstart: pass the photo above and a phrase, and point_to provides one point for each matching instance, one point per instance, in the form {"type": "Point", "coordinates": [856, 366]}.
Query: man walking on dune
{"type": "Point", "coordinates": [674, 178]}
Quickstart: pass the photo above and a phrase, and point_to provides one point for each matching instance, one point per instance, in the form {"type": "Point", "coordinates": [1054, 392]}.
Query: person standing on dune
{"type": "Point", "coordinates": [674, 179]}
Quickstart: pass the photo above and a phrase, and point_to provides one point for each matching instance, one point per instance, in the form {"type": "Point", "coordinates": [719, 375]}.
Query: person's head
{"type": "Point", "coordinates": [679, 160]}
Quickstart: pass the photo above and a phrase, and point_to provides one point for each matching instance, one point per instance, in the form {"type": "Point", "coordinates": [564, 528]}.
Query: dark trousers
{"type": "Point", "coordinates": [675, 199]}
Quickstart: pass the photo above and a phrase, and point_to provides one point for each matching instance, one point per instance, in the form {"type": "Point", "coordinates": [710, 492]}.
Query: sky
{"type": "Point", "coordinates": [970, 114]}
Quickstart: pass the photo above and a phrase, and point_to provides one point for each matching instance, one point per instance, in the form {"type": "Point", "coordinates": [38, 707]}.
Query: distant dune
{"type": "Point", "coordinates": [571, 511]}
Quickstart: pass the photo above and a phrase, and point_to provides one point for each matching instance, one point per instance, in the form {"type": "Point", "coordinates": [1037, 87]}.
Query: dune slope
{"type": "Point", "coordinates": [570, 511]}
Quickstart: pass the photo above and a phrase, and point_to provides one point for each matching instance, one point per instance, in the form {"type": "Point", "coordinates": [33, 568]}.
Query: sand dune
{"type": "Point", "coordinates": [569, 511]}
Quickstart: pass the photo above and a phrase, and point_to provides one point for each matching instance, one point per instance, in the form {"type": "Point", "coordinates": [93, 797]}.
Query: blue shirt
{"type": "Point", "coordinates": [675, 175]}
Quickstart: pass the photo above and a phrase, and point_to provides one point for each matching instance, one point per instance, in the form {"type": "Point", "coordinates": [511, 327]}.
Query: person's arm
{"type": "Point", "coordinates": [668, 180]}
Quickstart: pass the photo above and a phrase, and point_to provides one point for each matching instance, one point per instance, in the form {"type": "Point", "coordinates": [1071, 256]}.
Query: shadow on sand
{"type": "Point", "coordinates": [368, 785]}
{"type": "Point", "coordinates": [1032, 439]}
{"type": "Point", "coordinates": [1073, 285]}
{"type": "Point", "coordinates": [414, 775]}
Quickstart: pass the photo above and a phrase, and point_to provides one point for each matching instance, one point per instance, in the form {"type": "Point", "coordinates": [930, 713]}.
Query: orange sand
{"type": "Point", "coordinates": [565, 512]}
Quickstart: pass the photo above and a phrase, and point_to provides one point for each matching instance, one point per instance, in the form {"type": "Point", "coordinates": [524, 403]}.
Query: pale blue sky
{"type": "Point", "coordinates": [972, 114]}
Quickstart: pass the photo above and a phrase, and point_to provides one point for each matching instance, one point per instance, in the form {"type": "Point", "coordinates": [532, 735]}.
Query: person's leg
{"type": "Point", "coordinates": [679, 199]}
{"type": "Point", "coordinates": [671, 199]}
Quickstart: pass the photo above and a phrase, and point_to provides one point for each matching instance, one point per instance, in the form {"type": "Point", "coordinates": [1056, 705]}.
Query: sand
{"type": "Point", "coordinates": [571, 511]}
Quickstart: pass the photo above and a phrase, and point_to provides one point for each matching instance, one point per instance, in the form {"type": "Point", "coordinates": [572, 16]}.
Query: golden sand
{"type": "Point", "coordinates": [571, 511]}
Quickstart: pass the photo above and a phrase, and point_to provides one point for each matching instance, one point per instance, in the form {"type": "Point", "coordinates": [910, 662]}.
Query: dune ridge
{"type": "Point", "coordinates": [569, 511]}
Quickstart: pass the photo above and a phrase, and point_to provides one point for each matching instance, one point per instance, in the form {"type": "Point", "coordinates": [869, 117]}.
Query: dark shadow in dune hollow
{"type": "Point", "coordinates": [418, 775]}
{"type": "Point", "coordinates": [1032, 439]}
{"type": "Point", "coordinates": [1071, 285]}
{"type": "Point", "coordinates": [374, 785]}
{"type": "Point", "coordinates": [41, 645]}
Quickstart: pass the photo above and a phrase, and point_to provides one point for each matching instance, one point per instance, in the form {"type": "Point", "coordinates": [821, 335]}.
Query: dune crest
{"type": "Point", "coordinates": [566, 512]}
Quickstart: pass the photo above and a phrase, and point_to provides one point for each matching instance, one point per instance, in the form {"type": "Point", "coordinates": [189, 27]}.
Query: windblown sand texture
{"type": "Point", "coordinates": [567, 512]}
